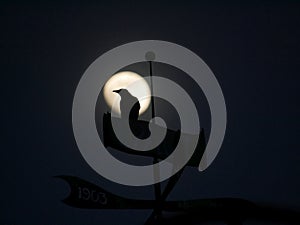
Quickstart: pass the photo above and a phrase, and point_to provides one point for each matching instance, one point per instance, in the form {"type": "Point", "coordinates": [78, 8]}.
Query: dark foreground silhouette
{"type": "Point", "coordinates": [232, 211]}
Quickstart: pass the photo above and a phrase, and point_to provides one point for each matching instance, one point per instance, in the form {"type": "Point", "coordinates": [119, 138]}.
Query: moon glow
{"type": "Point", "coordinates": [134, 83]}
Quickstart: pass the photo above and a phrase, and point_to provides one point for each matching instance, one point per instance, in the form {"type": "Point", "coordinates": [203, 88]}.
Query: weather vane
{"type": "Point", "coordinates": [128, 95]}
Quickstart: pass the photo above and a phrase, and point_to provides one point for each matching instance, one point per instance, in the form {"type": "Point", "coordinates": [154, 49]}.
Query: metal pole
{"type": "Point", "coordinates": [157, 187]}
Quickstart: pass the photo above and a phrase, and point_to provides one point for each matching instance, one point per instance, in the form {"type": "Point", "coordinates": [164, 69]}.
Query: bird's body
{"type": "Point", "coordinates": [129, 105]}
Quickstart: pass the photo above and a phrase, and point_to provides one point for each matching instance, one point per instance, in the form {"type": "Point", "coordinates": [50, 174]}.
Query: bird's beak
{"type": "Point", "coordinates": [117, 91]}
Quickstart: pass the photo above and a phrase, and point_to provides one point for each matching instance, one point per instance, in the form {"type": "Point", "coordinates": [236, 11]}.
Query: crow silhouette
{"type": "Point", "coordinates": [139, 128]}
{"type": "Point", "coordinates": [127, 100]}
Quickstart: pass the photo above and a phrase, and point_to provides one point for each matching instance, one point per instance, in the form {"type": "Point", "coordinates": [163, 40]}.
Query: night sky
{"type": "Point", "coordinates": [252, 48]}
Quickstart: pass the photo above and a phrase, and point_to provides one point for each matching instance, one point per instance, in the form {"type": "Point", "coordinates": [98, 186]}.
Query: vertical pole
{"type": "Point", "coordinates": [157, 187]}
{"type": "Point", "coordinates": [152, 97]}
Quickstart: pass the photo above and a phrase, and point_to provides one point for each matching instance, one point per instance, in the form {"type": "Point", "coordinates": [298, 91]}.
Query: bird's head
{"type": "Point", "coordinates": [118, 91]}
{"type": "Point", "coordinates": [123, 93]}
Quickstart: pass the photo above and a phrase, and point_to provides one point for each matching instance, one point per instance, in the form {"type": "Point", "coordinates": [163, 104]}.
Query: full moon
{"type": "Point", "coordinates": [134, 83]}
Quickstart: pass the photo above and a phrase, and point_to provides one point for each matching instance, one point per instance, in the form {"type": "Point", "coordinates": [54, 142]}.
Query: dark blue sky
{"type": "Point", "coordinates": [253, 50]}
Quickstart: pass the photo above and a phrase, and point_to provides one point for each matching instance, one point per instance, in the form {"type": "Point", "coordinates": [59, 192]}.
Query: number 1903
{"type": "Point", "coordinates": [92, 195]}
